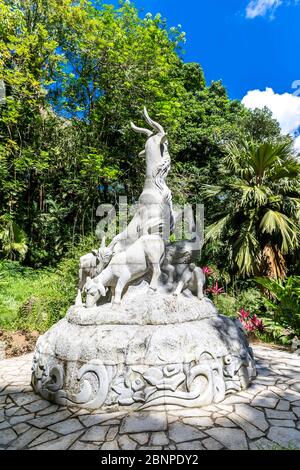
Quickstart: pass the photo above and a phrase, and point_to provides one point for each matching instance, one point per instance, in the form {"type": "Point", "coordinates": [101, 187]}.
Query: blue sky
{"type": "Point", "coordinates": [246, 53]}
{"type": "Point", "coordinates": [252, 45]}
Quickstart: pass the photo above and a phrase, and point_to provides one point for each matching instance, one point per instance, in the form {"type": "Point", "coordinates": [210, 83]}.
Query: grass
{"type": "Point", "coordinates": [35, 299]}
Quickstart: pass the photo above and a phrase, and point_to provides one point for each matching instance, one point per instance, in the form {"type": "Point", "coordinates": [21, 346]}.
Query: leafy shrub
{"type": "Point", "coordinates": [36, 299]}
{"type": "Point", "coordinates": [226, 304]}
{"type": "Point", "coordinates": [282, 301]}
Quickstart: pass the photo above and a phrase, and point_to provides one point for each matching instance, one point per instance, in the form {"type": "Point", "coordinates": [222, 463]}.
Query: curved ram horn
{"type": "Point", "coordinates": [141, 130]}
{"type": "Point", "coordinates": [157, 127]}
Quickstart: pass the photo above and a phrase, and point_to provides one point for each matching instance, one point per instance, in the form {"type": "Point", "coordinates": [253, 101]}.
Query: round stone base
{"type": "Point", "coordinates": [153, 349]}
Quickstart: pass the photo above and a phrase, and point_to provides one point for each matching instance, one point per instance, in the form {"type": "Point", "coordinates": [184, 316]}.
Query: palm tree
{"type": "Point", "coordinates": [259, 206]}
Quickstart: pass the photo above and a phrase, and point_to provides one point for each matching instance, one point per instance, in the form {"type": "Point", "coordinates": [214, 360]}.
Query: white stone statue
{"type": "Point", "coordinates": [145, 334]}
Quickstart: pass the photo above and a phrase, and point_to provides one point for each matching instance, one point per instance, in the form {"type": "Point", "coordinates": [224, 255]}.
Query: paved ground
{"type": "Point", "coordinates": [265, 416]}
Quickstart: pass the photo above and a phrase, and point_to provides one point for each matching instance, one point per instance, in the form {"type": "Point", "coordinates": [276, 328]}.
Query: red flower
{"type": "Point", "coordinates": [243, 314]}
{"type": "Point", "coordinates": [250, 323]}
{"type": "Point", "coordinates": [207, 271]}
{"type": "Point", "coordinates": [215, 289]}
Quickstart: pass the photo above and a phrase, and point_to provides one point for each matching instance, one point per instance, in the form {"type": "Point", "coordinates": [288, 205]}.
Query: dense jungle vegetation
{"type": "Point", "coordinates": [73, 74]}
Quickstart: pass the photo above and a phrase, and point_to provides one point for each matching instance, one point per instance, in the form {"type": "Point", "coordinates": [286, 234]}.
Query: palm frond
{"type": "Point", "coordinates": [214, 231]}
{"type": "Point", "coordinates": [276, 222]}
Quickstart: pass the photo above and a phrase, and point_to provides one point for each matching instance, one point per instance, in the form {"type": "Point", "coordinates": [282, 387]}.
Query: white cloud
{"type": "Point", "coordinates": [297, 143]}
{"type": "Point", "coordinates": [285, 108]}
{"type": "Point", "coordinates": [257, 8]}
{"type": "Point", "coordinates": [261, 8]}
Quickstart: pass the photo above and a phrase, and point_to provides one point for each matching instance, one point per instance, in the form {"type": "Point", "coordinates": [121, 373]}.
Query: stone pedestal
{"type": "Point", "coordinates": [153, 349]}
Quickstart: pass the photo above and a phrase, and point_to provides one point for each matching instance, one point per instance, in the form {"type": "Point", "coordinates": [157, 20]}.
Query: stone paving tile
{"type": "Point", "coordinates": [194, 445]}
{"type": "Point", "coordinates": [113, 445]}
{"type": "Point", "coordinates": [285, 437]}
{"type": "Point", "coordinates": [201, 422]}
{"type": "Point", "coordinates": [62, 443]}
{"type": "Point", "coordinates": [212, 444]}
{"type": "Point", "coordinates": [296, 410]}
{"type": "Point", "coordinates": [45, 437]}
{"type": "Point", "coordinates": [95, 433]}
{"type": "Point", "coordinates": [26, 438]}
{"type": "Point", "coordinates": [126, 443]}
{"type": "Point", "coordinates": [286, 423]}
{"type": "Point", "coordinates": [251, 431]}
{"type": "Point", "coordinates": [264, 416]}
{"type": "Point", "coordinates": [232, 439]}
{"type": "Point", "coordinates": [141, 438]}
{"type": "Point", "coordinates": [7, 436]}
{"type": "Point", "coordinates": [143, 422]}
{"type": "Point", "coordinates": [283, 405]}
{"type": "Point", "coordinates": [179, 432]}
{"type": "Point", "coordinates": [45, 421]}
{"type": "Point", "coordinates": [159, 438]}
{"type": "Point", "coordinates": [252, 415]}
{"type": "Point", "coordinates": [275, 414]}
{"type": "Point", "coordinates": [66, 427]}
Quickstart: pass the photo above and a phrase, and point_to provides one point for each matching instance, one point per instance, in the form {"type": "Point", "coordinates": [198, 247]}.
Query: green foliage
{"type": "Point", "coordinates": [258, 206]}
{"type": "Point", "coordinates": [33, 299]}
{"type": "Point", "coordinates": [282, 299]}
{"type": "Point", "coordinates": [226, 304]}
{"type": "Point", "coordinates": [75, 74]}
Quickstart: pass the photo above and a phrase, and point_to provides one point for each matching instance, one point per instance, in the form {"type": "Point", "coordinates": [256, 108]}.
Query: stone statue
{"type": "Point", "coordinates": [145, 334]}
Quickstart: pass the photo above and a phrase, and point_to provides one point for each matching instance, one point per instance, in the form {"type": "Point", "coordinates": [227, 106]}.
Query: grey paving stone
{"type": "Point", "coordinates": [201, 422]}
{"type": "Point", "coordinates": [150, 448]}
{"type": "Point", "coordinates": [20, 428]}
{"type": "Point", "coordinates": [45, 421]}
{"type": "Point", "coordinates": [21, 419]}
{"type": "Point", "coordinates": [212, 444]}
{"type": "Point", "coordinates": [45, 437]}
{"type": "Point", "coordinates": [144, 422]}
{"type": "Point", "coordinates": [24, 398]}
{"type": "Point", "coordinates": [95, 433]}
{"type": "Point", "coordinates": [277, 414]}
{"type": "Point", "coordinates": [159, 439]}
{"type": "Point", "coordinates": [78, 445]}
{"type": "Point", "coordinates": [62, 443]}
{"type": "Point", "coordinates": [94, 419]}
{"type": "Point", "coordinates": [283, 405]}
{"type": "Point", "coordinates": [66, 427]}
{"type": "Point", "coordinates": [252, 415]}
{"type": "Point", "coordinates": [5, 424]}
{"type": "Point", "coordinates": [179, 432]}
{"type": "Point", "coordinates": [296, 410]}
{"type": "Point", "coordinates": [251, 431]}
{"type": "Point", "coordinates": [141, 438]}
{"type": "Point", "coordinates": [125, 443]}
{"type": "Point", "coordinates": [194, 445]}
{"type": "Point", "coordinates": [113, 445]}
{"type": "Point", "coordinates": [37, 406]}
{"type": "Point", "coordinates": [286, 423]}
{"type": "Point", "coordinates": [6, 436]}
{"type": "Point", "coordinates": [232, 439]}
{"type": "Point", "coordinates": [112, 433]}
{"type": "Point", "coordinates": [47, 411]}
{"type": "Point", "coordinates": [264, 402]}
{"type": "Point", "coordinates": [25, 438]}
{"type": "Point", "coordinates": [261, 444]}
{"type": "Point", "coordinates": [225, 423]}
{"type": "Point", "coordinates": [285, 437]}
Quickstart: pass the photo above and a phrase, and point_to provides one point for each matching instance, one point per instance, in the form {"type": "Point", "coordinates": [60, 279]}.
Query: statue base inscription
{"type": "Point", "coordinates": [152, 349]}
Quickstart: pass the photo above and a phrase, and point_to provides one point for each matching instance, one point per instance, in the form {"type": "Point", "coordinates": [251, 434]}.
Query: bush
{"type": "Point", "coordinates": [36, 299]}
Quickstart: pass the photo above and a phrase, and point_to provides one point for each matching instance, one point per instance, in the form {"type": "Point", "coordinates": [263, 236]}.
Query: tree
{"type": "Point", "coordinates": [258, 209]}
